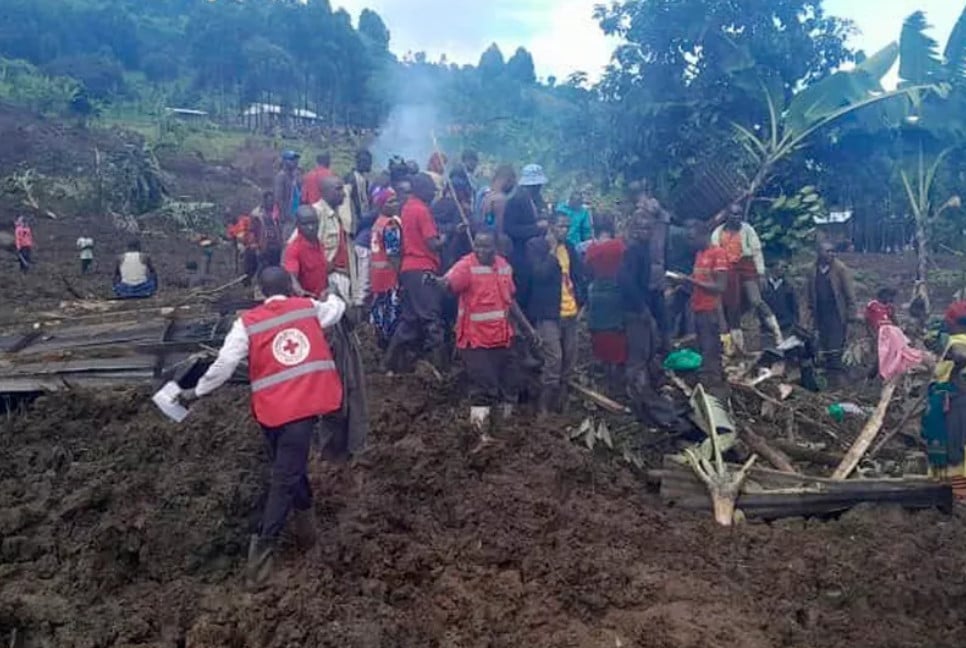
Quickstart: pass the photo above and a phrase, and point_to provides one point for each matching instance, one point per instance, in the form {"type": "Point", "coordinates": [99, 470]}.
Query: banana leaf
{"type": "Point", "coordinates": [709, 413]}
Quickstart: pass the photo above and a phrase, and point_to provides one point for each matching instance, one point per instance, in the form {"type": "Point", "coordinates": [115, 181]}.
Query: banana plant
{"type": "Point", "coordinates": [816, 107]}
{"type": "Point", "coordinates": [931, 122]}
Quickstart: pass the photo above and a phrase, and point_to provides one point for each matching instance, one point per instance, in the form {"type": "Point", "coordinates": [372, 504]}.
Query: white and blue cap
{"type": "Point", "coordinates": [532, 176]}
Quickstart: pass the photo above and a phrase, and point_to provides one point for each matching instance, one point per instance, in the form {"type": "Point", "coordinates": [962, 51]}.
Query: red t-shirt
{"type": "Point", "coordinates": [306, 260]}
{"type": "Point", "coordinates": [418, 225]}
{"type": "Point", "coordinates": [707, 263]}
{"type": "Point", "coordinates": [311, 192]}
{"type": "Point", "coordinates": [603, 258]}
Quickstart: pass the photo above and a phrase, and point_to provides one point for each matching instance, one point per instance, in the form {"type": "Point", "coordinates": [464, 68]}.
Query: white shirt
{"type": "Point", "coordinates": [235, 348]}
{"type": "Point", "coordinates": [86, 246]}
{"type": "Point", "coordinates": [134, 271]}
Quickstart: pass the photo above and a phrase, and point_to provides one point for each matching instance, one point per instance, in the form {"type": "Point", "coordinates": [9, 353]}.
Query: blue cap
{"type": "Point", "coordinates": [290, 155]}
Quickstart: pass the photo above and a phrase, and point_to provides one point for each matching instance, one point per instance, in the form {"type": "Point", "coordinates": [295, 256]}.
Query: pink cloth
{"type": "Point", "coordinates": [896, 355]}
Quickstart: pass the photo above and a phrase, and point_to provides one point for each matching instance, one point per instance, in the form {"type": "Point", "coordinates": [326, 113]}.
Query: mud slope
{"type": "Point", "coordinates": [120, 529]}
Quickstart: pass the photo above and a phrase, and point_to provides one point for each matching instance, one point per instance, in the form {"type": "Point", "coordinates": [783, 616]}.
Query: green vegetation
{"type": "Point", "coordinates": [703, 102]}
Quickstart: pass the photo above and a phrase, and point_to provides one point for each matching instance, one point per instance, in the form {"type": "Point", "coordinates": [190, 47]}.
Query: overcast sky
{"type": "Point", "coordinates": [563, 36]}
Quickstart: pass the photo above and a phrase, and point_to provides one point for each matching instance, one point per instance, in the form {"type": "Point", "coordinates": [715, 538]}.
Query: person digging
{"type": "Point", "coordinates": [293, 381]}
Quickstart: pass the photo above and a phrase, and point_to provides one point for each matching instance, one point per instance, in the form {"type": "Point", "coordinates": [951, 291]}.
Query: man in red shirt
{"type": "Point", "coordinates": [709, 282]}
{"type": "Point", "coordinates": [312, 181]}
{"type": "Point", "coordinates": [304, 256]}
{"type": "Point", "coordinates": [421, 319]}
{"type": "Point", "coordinates": [483, 281]}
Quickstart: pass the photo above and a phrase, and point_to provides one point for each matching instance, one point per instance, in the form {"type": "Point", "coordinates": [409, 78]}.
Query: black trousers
{"type": "Point", "coordinates": [288, 448]}
{"type": "Point", "coordinates": [707, 326]}
{"type": "Point", "coordinates": [421, 318]}
{"type": "Point", "coordinates": [493, 376]}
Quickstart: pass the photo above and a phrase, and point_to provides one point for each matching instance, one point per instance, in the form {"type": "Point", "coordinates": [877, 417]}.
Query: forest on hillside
{"type": "Point", "coordinates": [703, 101]}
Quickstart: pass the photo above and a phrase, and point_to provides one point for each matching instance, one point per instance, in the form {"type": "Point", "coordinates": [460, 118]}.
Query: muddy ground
{"type": "Point", "coordinates": [120, 529]}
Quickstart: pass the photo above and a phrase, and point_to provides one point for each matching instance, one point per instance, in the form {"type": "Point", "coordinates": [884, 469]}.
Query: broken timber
{"type": "Point", "coordinates": [133, 349]}
{"type": "Point", "coordinates": [770, 494]}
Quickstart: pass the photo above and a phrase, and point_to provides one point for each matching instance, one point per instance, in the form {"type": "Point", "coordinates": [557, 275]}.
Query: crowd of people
{"type": "Point", "coordinates": [444, 259]}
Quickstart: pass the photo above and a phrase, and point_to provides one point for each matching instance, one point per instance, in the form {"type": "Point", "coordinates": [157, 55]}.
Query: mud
{"type": "Point", "coordinates": [121, 529]}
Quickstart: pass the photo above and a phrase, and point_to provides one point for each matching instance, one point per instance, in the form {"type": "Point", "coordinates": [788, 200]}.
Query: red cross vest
{"type": "Point", "coordinates": [382, 276]}
{"type": "Point", "coordinates": [290, 365]}
{"type": "Point", "coordinates": [483, 320]}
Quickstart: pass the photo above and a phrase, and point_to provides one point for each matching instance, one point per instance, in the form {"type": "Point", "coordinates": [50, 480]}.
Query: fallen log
{"type": "Point", "coordinates": [868, 433]}
{"type": "Point", "coordinates": [770, 494]}
{"type": "Point", "coordinates": [775, 457]}
{"type": "Point", "coordinates": [801, 453]}
{"type": "Point", "coordinates": [608, 404]}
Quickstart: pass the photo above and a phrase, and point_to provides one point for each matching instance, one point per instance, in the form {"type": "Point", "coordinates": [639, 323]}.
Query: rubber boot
{"type": "Point", "coordinates": [506, 412]}
{"type": "Point", "coordinates": [261, 562]}
{"type": "Point", "coordinates": [480, 419]}
{"type": "Point", "coordinates": [561, 399]}
{"type": "Point", "coordinates": [546, 402]}
{"type": "Point", "coordinates": [738, 341]}
{"type": "Point", "coordinates": [304, 529]}
{"type": "Point", "coordinates": [390, 361]}
{"type": "Point", "coordinates": [772, 322]}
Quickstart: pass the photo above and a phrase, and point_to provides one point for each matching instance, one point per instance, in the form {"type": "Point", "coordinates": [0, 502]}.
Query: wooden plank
{"type": "Point", "coordinates": [81, 365]}
{"type": "Point", "coordinates": [780, 505]}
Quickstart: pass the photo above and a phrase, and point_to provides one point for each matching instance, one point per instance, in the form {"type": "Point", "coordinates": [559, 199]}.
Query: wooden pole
{"type": "Point", "coordinates": [446, 183]}
{"type": "Point", "coordinates": [865, 438]}
{"type": "Point", "coordinates": [775, 457]}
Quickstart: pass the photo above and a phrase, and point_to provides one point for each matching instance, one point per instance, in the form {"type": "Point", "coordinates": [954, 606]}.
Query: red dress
{"type": "Point", "coordinates": [603, 262]}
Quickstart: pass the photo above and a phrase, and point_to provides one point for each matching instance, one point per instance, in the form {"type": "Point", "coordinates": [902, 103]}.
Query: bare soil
{"type": "Point", "coordinates": [121, 529]}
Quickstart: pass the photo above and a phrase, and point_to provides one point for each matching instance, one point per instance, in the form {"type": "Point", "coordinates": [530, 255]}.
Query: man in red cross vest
{"type": "Point", "coordinates": [483, 281]}
{"type": "Point", "coordinates": [294, 381]}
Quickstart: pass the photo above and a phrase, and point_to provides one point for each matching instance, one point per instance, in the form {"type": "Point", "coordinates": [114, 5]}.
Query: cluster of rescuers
{"type": "Point", "coordinates": [439, 258]}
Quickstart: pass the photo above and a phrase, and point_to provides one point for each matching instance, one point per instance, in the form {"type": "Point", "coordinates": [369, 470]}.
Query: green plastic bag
{"type": "Point", "coordinates": [683, 360]}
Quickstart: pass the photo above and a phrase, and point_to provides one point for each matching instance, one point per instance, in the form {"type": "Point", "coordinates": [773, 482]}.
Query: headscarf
{"type": "Point", "coordinates": [956, 314]}
{"type": "Point", "coordinates": [383, 196]}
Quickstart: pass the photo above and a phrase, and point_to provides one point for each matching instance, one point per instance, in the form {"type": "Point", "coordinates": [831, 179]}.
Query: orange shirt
{"type": "Point", "coordinates": [731, 244]}
{"type": "Point", "coordinates": [311, 191]}
{"type": "Point", "coordinates": [707, 263]}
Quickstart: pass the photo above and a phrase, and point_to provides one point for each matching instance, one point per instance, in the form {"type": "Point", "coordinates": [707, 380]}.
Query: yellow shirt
{"type": "Point", "coordinates": [568, 302]}
{"type": "Point", "coordinates": [944, 368]}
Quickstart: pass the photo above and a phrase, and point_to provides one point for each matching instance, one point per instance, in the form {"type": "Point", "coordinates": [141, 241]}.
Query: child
{"type": "Point", "coordinates": [86, 246]}
{"type": "Point", "coordinates": [881, 310]}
